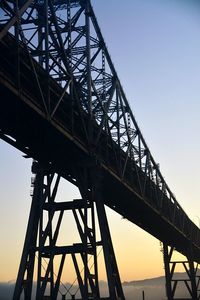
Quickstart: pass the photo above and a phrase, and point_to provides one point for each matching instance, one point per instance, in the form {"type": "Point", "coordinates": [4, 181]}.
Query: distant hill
{"type": "Point", "coordinates": [154, 288]}
{"type": "Point", "coordinates": [145, 282]}
{"type": "Point", "coordinates": [154, 281]}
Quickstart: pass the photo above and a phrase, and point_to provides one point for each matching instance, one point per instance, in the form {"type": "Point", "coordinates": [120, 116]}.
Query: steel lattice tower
{"type": "Point", "coordinates": [42, 237]}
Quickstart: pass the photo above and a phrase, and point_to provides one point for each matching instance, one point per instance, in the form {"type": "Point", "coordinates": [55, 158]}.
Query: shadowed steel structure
{"type": "Point", "coordinates": [63, 105]}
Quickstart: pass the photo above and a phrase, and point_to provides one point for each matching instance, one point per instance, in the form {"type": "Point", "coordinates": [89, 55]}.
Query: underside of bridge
{"type": "Point", "coordinates": [62, 104]}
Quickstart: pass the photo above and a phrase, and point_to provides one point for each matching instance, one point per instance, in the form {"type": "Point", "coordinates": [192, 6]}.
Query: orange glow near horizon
{"type": "Point", "coordinates": [138, 254]}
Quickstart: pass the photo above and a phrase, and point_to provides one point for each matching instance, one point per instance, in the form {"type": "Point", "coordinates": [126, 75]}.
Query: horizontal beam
{"type": "Point", "coordinates": [47, 251]}
{"type": "Point", "coordinates": [68, 205]}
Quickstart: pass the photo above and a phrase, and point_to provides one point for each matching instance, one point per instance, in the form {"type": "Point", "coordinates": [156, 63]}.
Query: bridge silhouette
{"type": "Point", "coordinates": [63, 105]}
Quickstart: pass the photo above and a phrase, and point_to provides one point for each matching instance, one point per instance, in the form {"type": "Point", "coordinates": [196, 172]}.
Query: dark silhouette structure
{"type": "Point", "coordinates": [63, 105]}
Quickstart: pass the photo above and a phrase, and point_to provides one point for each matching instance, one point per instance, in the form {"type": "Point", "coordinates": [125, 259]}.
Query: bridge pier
{"type": "Point", "coordinates": [191, 280]}
{"type": "Point", "coordinates": [44, 259]}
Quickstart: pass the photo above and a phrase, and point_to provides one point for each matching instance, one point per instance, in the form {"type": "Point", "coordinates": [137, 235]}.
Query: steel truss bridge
{"type": "Point", "coordinates": [62, 104]}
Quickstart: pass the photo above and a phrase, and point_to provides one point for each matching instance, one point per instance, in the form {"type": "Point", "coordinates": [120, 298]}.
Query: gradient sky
{"type": "Point", "coordinates": [155, 47]}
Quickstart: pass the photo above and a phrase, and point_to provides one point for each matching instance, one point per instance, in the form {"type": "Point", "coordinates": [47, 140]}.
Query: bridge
{"type": "Point", "coordinates": [63, 105]}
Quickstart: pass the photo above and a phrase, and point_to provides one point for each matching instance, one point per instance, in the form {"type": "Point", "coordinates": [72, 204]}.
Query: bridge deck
{"type": "Point", "coordinates": [62, 140]}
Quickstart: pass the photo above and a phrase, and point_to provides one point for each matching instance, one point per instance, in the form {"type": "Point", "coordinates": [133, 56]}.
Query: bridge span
{"type": "Point", "coordinates": [63, 105]}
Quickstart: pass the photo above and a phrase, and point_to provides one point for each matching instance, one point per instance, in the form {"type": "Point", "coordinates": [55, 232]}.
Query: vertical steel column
{"type": "Point", "coordinates": [46, 27]}
{"type": "Point", "coordinates": [90, 285]}
{"type": "Point", "coordinates": [25, 275]}
{"type": "Point", "coordinates": [167, 258]}
{"type": "Point", "coordinates": [91, 189]}
{"type": "Point", "coordinates": [113, 277]}
{"type": "Point", "coordinates": [43, 45]}
{"type": "Point", "coordinates": [88, 57]}
{"type": "Point", "coordinates": [88, 74]}
{"type": "Point", "coordinates": [69, 35]}
{"type": "Point", "coordinates": [17, 53]}
{"type": "Point", "coordinates": [192, 275]}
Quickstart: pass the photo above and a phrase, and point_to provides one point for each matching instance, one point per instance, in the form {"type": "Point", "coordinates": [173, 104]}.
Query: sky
{"type": "Point", "coordinates": [155, 47]}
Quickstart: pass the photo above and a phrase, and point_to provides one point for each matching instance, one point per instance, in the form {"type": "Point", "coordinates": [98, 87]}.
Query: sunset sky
{"type": "Point", "coordinates": [155, 47]}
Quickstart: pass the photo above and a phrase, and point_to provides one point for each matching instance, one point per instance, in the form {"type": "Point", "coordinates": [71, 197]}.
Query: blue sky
{"type": "Point", "coordinates": [155, 47]}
